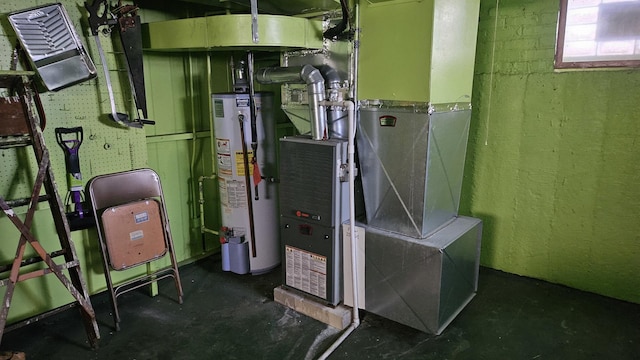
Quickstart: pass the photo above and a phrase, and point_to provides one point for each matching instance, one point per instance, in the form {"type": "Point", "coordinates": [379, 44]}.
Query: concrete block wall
{"type": "Point", "coordinates": [553, 158]}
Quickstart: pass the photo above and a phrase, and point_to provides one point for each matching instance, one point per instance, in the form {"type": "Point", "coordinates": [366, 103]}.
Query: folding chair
{"type": "Point", "coordinates": [133, 229]}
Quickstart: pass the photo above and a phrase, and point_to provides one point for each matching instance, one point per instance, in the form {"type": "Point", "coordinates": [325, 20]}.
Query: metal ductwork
{"type": "Point", "coordinates": [336, 115]}
{"type": "Point", "coordinates": [278, 7]}
{"type": "Point", "coordinates": [315, 90]}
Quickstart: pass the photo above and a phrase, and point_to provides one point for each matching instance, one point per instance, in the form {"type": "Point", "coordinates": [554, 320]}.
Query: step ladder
{"type": "Point", "coordinates": [21, 122]}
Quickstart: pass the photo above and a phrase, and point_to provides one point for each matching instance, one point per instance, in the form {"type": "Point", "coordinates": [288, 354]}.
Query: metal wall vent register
{"type": "Point", "coordinates": [52, 45]}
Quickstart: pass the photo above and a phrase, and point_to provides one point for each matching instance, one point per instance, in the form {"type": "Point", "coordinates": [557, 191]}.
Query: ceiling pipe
{"type": "Point", "coordinates": [315, 90]}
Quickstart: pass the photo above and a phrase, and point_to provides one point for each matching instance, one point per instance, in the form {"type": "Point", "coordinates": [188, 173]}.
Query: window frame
{"type": "Point", "coordinates": [560, 39]}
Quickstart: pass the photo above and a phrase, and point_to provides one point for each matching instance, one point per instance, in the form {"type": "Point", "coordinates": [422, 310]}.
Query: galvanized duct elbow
{"type": "Point", "coordinates": [336, 116]}
{"type": "Point", "coordinates": [331, 76]}
{"type": "Point", "coordinates": [315, 91]}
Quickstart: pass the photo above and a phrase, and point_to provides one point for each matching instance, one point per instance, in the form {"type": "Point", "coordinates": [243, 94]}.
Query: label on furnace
{"type": "Point", "coordinates": [306, 271]}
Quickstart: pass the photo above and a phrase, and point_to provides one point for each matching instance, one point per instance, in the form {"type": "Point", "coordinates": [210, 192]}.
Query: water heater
{"type": "Point", "coordinates": [249, 202]}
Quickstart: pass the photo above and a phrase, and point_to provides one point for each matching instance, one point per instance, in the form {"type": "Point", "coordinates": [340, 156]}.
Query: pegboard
{"type": "Point", "coordinates": [107, 147]}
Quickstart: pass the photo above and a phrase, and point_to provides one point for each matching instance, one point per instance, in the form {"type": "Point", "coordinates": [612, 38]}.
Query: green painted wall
{"type": "Point", "coordinates": [106, 148]}
{"type": "Point", "coordinates": [177, 148]}
{"type": "Point", "coordinates": [553, 158]}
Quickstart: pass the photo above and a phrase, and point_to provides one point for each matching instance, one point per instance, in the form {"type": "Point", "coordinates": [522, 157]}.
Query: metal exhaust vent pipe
{"type": "Point", "coordinates": [315, 88]}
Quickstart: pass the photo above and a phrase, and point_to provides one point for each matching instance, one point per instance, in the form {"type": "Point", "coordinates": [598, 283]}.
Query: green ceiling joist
{"type": "Point", "coordinates": [229, 32]}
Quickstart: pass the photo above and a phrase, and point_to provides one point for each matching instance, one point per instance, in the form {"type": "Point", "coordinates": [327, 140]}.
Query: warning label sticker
{"type": "Point", "coordinates": [218, 108]}
{"type": "Point", "coordinates": [236, 194]}
{"type": "Point", "coordinates": [306, 271]}
{"type": "Point", "coordinates": [240, 162]}
{"type": "Point", "coordinates": [223, 149]}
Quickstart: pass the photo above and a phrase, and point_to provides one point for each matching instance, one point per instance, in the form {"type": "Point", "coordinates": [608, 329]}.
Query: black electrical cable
{"type": "Point", "coordinates": [335, 31]}
{"type": "Point", "coordinates": [254, 119]}
{"type": "Point", "coordinates": [247, 182]}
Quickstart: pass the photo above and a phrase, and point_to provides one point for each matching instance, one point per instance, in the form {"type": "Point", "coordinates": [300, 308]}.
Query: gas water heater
{"type": "Point", "coordinates": [246, 160]}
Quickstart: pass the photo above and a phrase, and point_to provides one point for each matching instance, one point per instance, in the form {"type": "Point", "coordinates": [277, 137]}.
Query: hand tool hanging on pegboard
{"type": "Point", "coordinates": [125, 19]}
{"type": "Point", "coordinates": [70, 140]}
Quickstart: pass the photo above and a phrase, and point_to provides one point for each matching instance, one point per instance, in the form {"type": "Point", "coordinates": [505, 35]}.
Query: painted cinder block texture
{"type": "Point", "coordinates": [553, 164]}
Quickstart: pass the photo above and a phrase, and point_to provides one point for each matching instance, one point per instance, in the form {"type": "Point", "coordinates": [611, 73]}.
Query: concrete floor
{"type": "Point", "coordinates": [228, 316]}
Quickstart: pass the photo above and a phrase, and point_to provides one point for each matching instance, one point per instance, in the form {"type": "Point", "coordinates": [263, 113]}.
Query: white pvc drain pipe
{"type": "Point", "coordinates": [355, 318]}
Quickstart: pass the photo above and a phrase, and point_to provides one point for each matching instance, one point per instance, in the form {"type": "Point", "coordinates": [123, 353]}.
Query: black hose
{"type": "Point", "coordinates": [254, 118]}
{"type": "Point", "coordinates": [333, 32]}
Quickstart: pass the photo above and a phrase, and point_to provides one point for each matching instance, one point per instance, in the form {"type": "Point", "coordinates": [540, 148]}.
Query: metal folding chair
{"type": "Point", "coordinates": [133, 229]}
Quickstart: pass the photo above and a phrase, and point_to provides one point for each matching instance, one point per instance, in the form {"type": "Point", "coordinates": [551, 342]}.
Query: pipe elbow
{"type": "Point", "coordinates": [314, 79]}
{"type": "Point", "coordinates": [311, 75]}
{"type": "Point", "coordinates": [262, 76]}
{"type": "Point", "coordinates": [331, 76]}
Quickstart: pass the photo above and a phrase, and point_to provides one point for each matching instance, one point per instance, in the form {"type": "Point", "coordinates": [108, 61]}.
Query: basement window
{"type": "Point", "coordinates": [598, 34]}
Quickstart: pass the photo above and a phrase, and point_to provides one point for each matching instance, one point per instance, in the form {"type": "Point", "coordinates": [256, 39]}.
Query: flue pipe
{"type": "Point", "coordinates": [315, 90]}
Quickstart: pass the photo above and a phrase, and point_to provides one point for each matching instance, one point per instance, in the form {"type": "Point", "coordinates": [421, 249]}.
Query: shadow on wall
{"type": "Point", "coordinates": [487, 256]}
{"type": "Point", "coordinates": [488, 242]}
